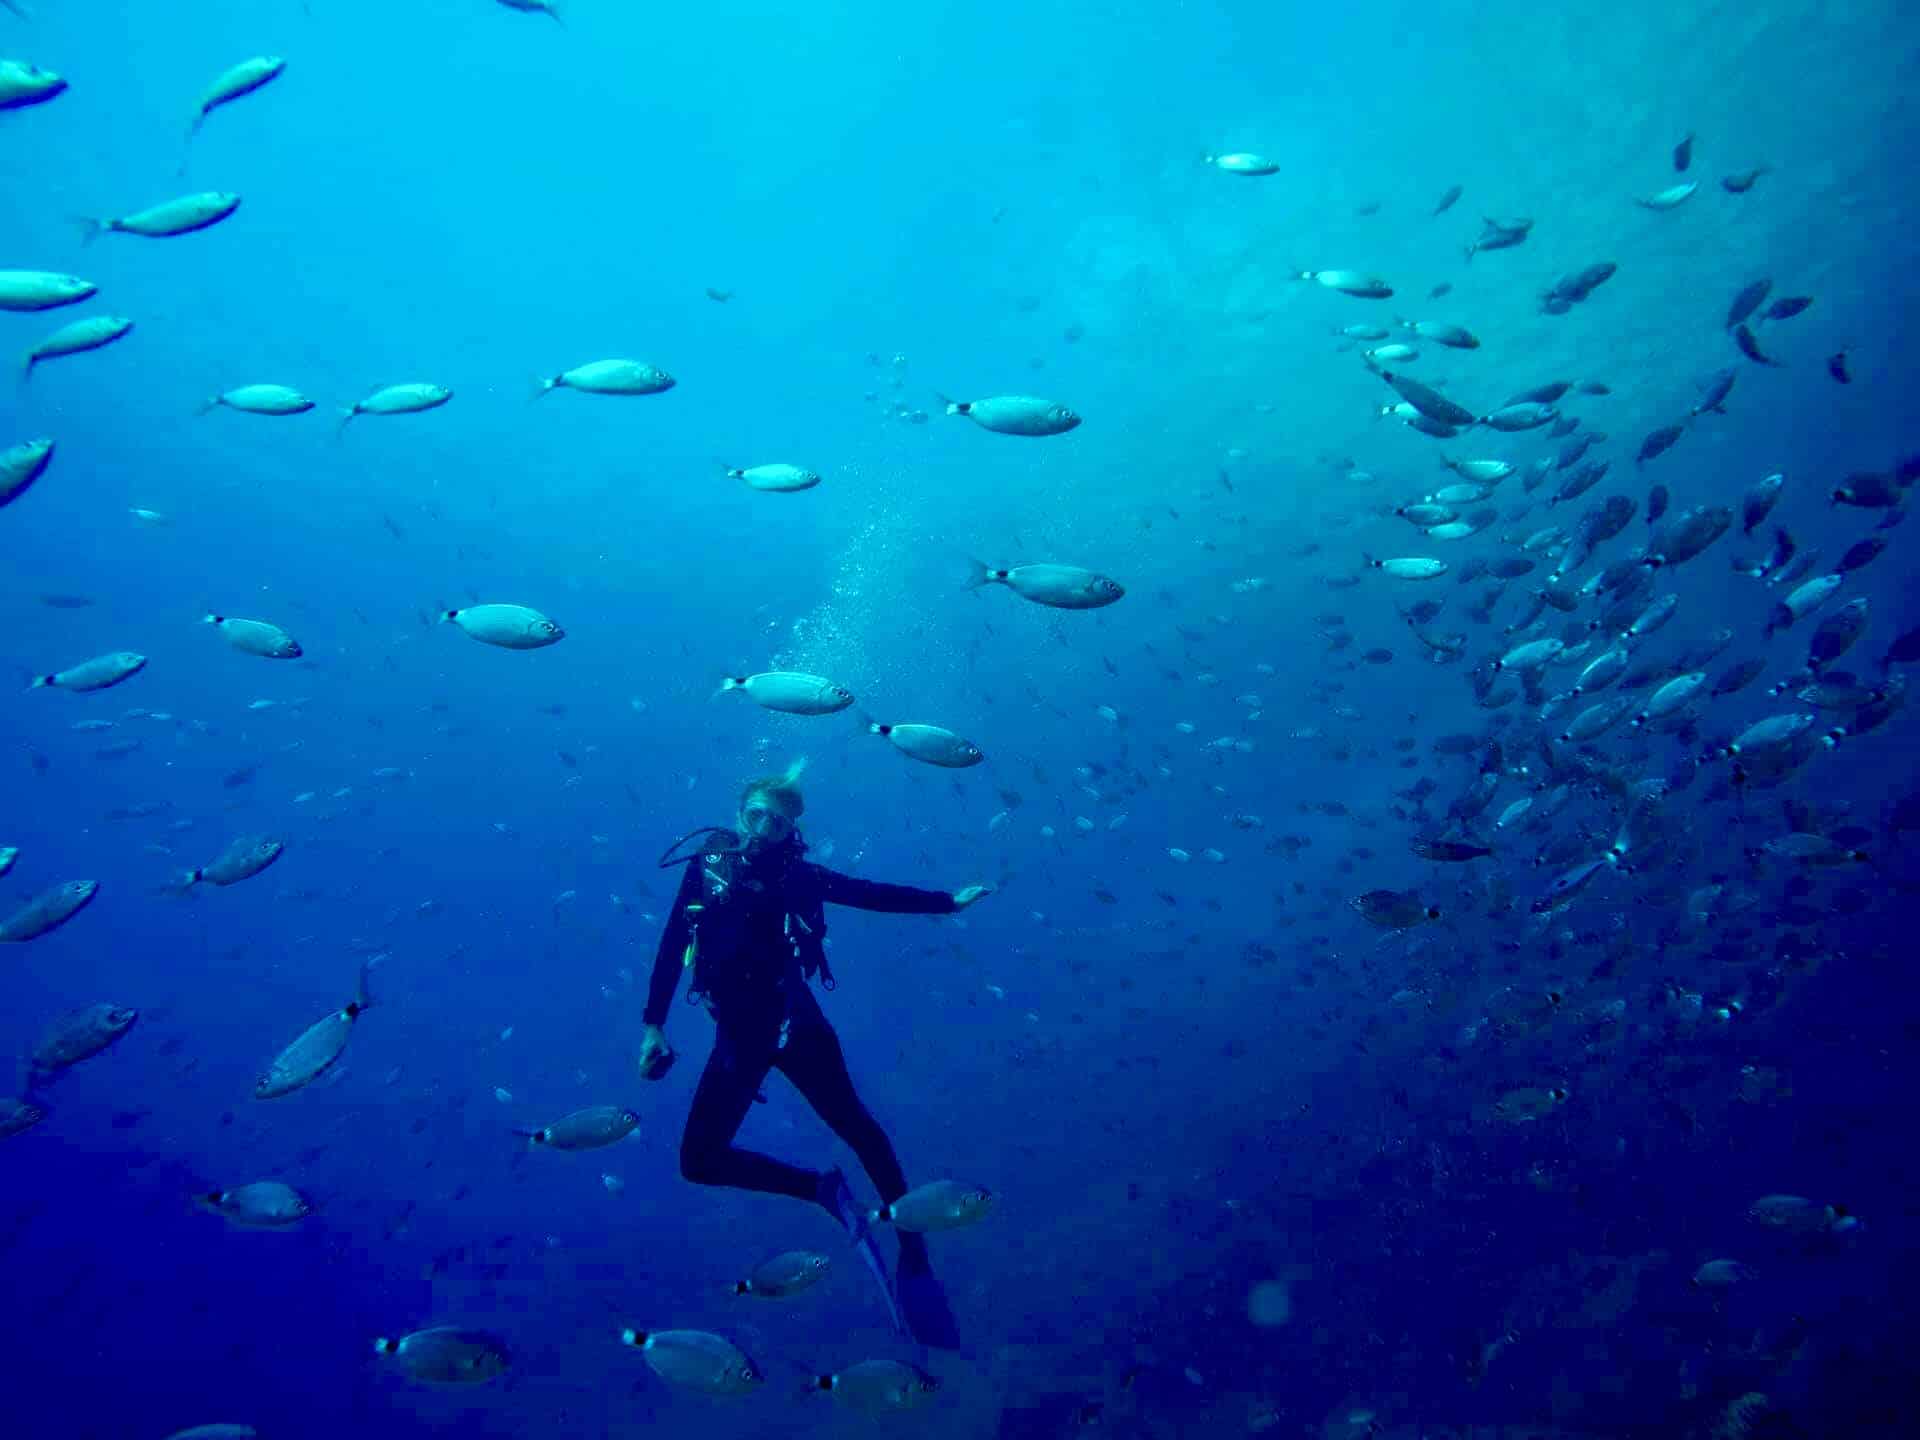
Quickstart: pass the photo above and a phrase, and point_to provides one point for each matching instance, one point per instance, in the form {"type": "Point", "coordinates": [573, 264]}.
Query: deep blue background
{"type": "Point", "coordinates": [453, 192]}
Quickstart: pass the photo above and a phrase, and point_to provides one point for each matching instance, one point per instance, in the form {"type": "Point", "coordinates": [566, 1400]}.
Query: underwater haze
{"type": "Point", "coordinates": [1367, 1033]}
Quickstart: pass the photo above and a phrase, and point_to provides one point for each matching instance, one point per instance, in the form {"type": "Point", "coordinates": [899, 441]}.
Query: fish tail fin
{"type": "Point", "coordinates": [729, 682]}
{"type": "Point", "coordinates": [868, 725]}
{"type": "Point", "coordinates": [953, 407]}
{"type": "Point", "coordinates": [532, 1137]}
{"type": "Point", "coordinates": [90, 228]}
{"type": "Point", "coordinates": [363, 990]}
{"type": "Point", "coordinates": [41, 682]}
{"type": "Point", "coordinates": [209, 405]}
{"type": "Point", "coordinates": [541, 385]}
{"type": "Point", "coordinates": [347, 412]}
{"type": "Point", "coordinates": [977, 575]}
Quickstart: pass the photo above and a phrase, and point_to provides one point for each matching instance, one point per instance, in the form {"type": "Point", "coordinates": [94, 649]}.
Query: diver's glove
{"type": "Point", "coordinates": [656, 1055]}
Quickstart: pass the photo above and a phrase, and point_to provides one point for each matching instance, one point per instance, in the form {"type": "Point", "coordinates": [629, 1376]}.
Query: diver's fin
{"type": "Point", "coordinates": [839, 1201]}
{"type": "Point", "coordinates": [870, 1252]}
{"type": "Point", "coordinates": [923, 1303]}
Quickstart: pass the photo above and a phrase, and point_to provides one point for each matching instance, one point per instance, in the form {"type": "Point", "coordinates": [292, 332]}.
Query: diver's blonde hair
{"type": "Point", "coordinates": [781, 791]}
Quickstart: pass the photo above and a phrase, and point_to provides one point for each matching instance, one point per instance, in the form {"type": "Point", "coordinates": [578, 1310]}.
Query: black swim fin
{"type": "Point", "coordinates": [923, 1303]}
{"type": "Point", "coordinates": [839, 1201]}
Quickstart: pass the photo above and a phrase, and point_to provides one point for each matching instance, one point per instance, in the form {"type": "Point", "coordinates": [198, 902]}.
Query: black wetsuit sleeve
{"type": "Point", "coordinates": [670, 959]}
{"type": "Point", "coordinates": [838, 889]}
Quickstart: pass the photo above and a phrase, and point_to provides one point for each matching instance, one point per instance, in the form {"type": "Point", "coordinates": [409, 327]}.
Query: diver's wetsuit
{"type": "Point", "coordinates": [765, 1013]}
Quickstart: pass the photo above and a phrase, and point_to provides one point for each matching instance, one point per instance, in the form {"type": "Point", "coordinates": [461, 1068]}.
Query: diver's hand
{"type": "Point", "coordinates": [963, 898]}
{"type": "Point", "coordinates": [656, 1055]}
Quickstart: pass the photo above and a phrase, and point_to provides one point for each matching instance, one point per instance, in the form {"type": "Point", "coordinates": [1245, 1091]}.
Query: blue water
{"type": "Point", "coordinates": [1184, 1081]}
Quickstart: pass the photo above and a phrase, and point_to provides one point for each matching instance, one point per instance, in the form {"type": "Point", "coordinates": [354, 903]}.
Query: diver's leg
{"type": "Point", "coordinates": [815, 1063]}
{"type": "Point", "coordinates": [813, 1060]}
{"type": "Point", "coordinates": [721, 1100]}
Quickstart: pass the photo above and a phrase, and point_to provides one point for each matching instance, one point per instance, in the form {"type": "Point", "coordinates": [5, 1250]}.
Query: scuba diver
{"type": "Point", "coordinates": [749, 923]}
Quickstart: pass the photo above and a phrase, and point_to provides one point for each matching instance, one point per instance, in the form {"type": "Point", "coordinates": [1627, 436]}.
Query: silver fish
{"type": "Point", "coordinates": [48, 911]}
{"type": "Point", "coordinates": [587, 1129]}
{"type": "Point", "coordinates": [79, 1035]}
{"type": "Point", "coordinates": [696, 1360]}
{"type": "Point", "coordinates": [318, 1047]}
{"type": "Point", "coordinates": [448, 1355]}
